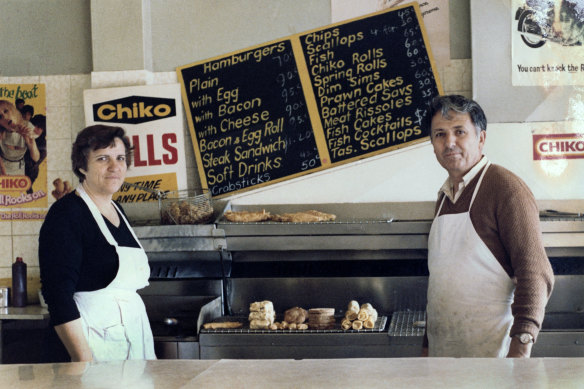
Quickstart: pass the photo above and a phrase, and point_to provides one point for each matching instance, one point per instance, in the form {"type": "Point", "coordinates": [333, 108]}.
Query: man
{"type": "Point", "coordinates": [490, 277]}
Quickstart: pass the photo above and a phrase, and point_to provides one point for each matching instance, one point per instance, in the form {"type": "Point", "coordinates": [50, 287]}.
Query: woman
{"type": "Point", "coordinates": [91, 262]}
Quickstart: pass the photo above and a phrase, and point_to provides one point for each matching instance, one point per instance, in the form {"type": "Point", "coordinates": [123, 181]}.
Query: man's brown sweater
{"type": "Point", "coordinates": [505, 216]}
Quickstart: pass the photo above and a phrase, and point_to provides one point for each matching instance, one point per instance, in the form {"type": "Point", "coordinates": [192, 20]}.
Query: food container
{"type": "Point", "coordinates": [186, 207]}
{"type": "Point", "coordinates": [4, 297]}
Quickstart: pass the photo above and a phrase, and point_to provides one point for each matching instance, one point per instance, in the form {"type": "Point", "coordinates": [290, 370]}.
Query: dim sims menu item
{"type": "Point", "coordinates": [311, 101]}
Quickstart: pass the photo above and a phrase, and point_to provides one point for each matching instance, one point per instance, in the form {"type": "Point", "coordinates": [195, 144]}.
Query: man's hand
{"type": "Point", "coordinates": [518, 349]}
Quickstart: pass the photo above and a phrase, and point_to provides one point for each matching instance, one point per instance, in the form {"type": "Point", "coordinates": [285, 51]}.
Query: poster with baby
{"type": "Point", "coordinates": [23, 152]}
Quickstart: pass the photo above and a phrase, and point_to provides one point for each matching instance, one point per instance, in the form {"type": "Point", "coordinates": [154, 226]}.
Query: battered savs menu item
{"type": "Point", "coordinates": [372, 79]}
{"type": "Point", "coordinates": [249, 118]}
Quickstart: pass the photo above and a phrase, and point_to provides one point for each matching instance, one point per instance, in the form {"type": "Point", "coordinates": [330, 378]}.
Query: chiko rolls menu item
{"type": "Point", "coordinates": [310, 101]}
{"type": "Point", "coordinates": [370, 79]}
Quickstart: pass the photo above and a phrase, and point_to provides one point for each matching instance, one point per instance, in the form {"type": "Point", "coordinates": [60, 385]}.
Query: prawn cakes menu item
{"type": "Point", "coordinates": [311, 101]}
{"type": "Point", "coordinates": [372, 80]}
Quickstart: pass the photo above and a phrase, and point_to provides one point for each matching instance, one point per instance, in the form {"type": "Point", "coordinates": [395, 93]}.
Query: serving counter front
{"type": "Point", "coordinates": [308, 373]}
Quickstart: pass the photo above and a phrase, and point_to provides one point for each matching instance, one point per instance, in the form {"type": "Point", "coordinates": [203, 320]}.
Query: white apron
{"type": "Point", "coordinates": [114, 318]}
{"type": "Point", "coordinates": [469, 292]}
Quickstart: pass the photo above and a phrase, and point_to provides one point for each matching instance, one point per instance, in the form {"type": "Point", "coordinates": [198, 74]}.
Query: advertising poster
{"type": "Point", "coordinates": [23, 152]}
{"type": "Point", "coordinates": [434, 12]}
{"type": "Point", "coordinates": [152, 117]}
{"type": "Point", "coordinates": [547, 38]}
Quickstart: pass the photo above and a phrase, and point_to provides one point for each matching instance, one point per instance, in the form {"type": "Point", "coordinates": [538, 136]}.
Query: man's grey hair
{"type": "Point", "coordinates": [459, 104]}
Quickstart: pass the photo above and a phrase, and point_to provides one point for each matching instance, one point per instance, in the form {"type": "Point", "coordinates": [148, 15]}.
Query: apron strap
{"type": "Point", "coordinates": [478, 185]}
{"type": "Point", "coordinates": [97, 216]}
{"type": "Point", "coordinates": [127, 224]}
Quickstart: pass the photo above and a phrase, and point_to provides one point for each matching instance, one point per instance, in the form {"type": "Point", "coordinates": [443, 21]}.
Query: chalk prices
{"type": "Point", "coordinates": [309, 102]}
{"type": "Point", "coordinates": [250, 118]}
{"type": "Point", "coordinates": [371, 80]}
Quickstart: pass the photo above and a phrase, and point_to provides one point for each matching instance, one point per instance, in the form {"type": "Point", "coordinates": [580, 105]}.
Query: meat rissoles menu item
{"type": "Point", "coordinates": [372, 80]}
{"type": "Point", "coordinates": [309, 102]}
{"type": "Point", "coordinates": [250, 118]}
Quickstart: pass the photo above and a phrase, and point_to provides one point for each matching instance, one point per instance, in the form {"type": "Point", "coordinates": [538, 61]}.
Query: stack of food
{"type": "Point", "coordinates": [261, 315]}
{"type": "Point", "coordinates": [294, 319]}
{"type": "Point", "coordinates": [321, 318]}
{"type": "Point", "coordinates": [359, 317]}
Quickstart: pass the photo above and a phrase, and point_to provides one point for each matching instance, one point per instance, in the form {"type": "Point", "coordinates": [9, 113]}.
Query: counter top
{"type": "Point", "coordinates": [307, 373]}
{"type": "Point", "coordinates": [30, 312]}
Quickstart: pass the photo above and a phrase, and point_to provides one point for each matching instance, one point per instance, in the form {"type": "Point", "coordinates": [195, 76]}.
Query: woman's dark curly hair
{"type": "Point", "coordinates": [93, 138]}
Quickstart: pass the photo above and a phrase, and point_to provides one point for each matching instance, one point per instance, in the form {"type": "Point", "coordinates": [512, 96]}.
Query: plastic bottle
{"type": "Point", "coordinates": [19, 283]}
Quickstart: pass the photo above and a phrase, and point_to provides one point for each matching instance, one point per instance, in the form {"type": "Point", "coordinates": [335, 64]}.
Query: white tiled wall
{"type": "Point", "coordinates": [65, 118]}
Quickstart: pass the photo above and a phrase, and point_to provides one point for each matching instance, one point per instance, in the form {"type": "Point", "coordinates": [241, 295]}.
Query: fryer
{"type": "Point", "coordinates": [375, 253]}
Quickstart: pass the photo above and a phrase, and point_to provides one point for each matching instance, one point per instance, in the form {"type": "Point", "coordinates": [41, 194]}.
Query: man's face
{"type": "Point", "coordinates": [456, 143]}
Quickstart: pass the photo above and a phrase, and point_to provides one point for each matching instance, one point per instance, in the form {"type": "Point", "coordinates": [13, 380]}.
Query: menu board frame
{"type": "Point", "coordinates": [316, 155]}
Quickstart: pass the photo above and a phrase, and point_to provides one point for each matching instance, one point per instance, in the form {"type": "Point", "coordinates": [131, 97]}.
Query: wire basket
{"type": "Point", "coordinates": [186, 207]}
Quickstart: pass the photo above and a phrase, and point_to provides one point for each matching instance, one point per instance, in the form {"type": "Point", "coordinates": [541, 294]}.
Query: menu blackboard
{"type": "Point", "coordinates": [310, 101]}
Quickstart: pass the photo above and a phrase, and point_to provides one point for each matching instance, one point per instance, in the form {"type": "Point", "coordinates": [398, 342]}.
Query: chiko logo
{"type": "Point", "coordinates": [14, 183]}
{"type": "Point", "coordinates": [558, 146]}
{"type": "Point", "coordinates": [134, 110]}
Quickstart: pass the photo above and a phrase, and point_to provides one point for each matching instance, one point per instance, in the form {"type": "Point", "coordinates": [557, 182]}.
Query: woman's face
{"type": "Point", "coordinates": [106, 169]}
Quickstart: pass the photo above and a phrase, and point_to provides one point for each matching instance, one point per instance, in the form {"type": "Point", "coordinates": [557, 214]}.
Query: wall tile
{"type": "Point", "coordinates": [20, 80]}
{"type": "Point", "coordinates": [59, 154]}
{"type": "Point", "coordinates": [59, 122]}
{"type": "Point", "coordinates": [120, 78]}
{"type": "Point", "coordinates": [5, 228]}
{"type": "Point", "coordinates": [58, 89]}
{"type": "Point", "coordinates": [79, 82]}
{"type": "Point", "coordinates": [77, 121]}
{"type": "Point", "coordinates": [26, 246]}
{"type": "Point", "coordinates": [6, 257]}
{"type": "Point", "coordinates": [26, 227]}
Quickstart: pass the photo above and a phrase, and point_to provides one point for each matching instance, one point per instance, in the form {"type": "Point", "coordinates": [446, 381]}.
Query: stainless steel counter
{"type": "Point", "coordinates": [307, 373]}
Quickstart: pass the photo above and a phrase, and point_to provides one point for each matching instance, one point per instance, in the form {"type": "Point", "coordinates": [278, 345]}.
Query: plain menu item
{"type": "Point", "coordinates": [19, 283]}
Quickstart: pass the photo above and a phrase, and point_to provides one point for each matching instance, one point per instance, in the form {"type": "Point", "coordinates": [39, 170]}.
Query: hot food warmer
{"type": "Point", "coordinates": [375, 253]}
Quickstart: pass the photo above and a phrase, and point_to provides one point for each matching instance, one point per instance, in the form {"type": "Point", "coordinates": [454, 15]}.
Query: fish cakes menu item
{"type": "Point", "coordinates": [310, 101]}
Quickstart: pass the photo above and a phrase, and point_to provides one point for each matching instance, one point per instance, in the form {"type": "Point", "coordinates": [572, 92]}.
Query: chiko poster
{"type": "Point", "coordinates": [152, 118]}
{"type": "Point", "coordinates": [23, 152]}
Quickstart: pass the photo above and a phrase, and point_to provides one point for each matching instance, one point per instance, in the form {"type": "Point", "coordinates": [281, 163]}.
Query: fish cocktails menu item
{"type": "Point", "coordinates": [311, 101]}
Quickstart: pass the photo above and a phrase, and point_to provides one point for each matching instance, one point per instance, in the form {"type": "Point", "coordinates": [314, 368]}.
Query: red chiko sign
{"type": "Point", "coordinates": [558, 146]}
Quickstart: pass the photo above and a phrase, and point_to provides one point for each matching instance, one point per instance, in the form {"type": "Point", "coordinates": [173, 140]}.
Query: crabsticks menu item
{"type": "Point", "coordinates": [249, 117]}
{"type": "Point", "coordinates": [309, 102]}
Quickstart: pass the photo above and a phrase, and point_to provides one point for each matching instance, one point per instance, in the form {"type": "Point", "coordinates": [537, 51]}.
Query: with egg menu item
{"type": "Point", "coordinates": [311, 101]}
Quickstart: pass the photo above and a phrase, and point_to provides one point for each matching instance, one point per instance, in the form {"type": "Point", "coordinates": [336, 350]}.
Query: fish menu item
{"type": "Point", "coordinates": [310, 101]}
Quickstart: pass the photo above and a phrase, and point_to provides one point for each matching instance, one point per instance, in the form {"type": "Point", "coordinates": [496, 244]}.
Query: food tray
{"type": "Point", "coordinates": [379, 327]}
{"type": "Point", "coordinates": [186, 207]}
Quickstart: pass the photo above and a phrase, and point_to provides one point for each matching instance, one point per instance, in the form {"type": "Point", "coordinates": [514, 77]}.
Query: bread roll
{"type": "Point", "coordinates": [357, 325]}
